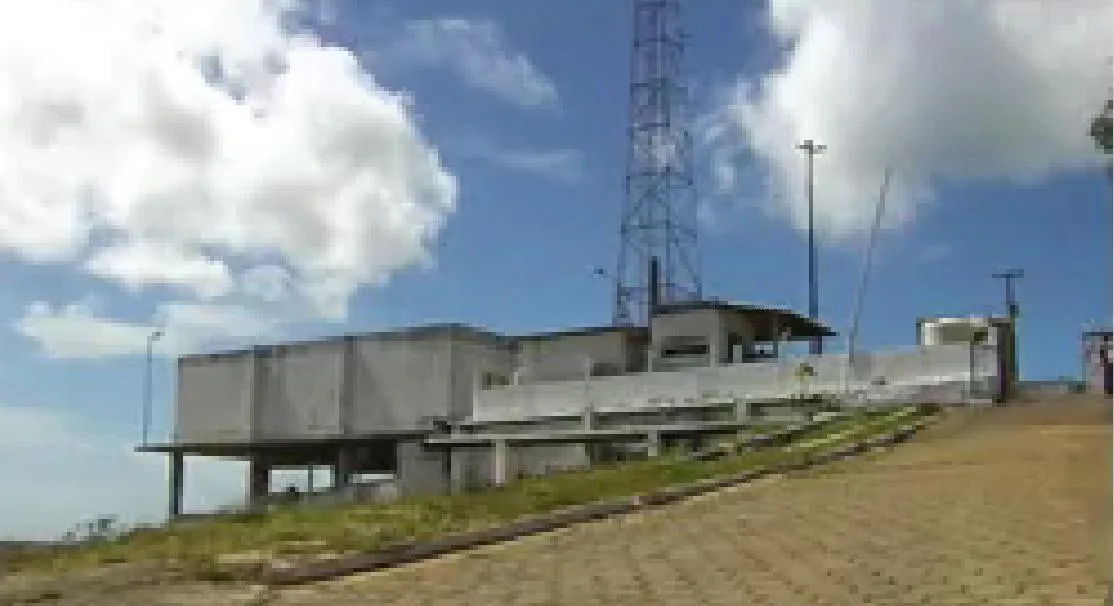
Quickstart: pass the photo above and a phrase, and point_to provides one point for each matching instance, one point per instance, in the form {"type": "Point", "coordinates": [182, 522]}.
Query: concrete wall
{"type": "Point", "coordinates": [715, 325]}
{"type": "Point", "coordinates": [562, 358]}
{"type": "Point", "coordinates": [299, 390]}
{"type": "Point", "coordinates": [420, 470]}
{"type": "Point", "coordinates": [472, 357]}
{"type": "Point", "coordinates": [397, 383]}
{"type": "Point", "coordinates": [893, 376]}
{"type": "Point", "coordinates": [383, 383]}
{"type": "Point", "coordinates": [1097, 362]}
{"type": "Point", "coordinates": [213, 400]}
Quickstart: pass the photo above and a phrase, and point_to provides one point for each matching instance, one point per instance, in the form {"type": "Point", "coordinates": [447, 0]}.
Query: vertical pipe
{"type": "Point", "coordinates": [177, 470]}
{"type": "Point", "coordinates": [655, 287]}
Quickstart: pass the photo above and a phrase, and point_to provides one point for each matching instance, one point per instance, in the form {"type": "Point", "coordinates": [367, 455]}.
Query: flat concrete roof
{"type": "Point", "coordinates": [409, 333]}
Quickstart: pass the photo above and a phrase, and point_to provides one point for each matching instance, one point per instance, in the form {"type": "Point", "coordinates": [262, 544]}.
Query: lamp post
{"type": "Point", "coordinates": [147, 384]}
{"type": "Point", "coordinates": [1012, 312]}
{"type": "Point", "coordinates": [811, 148]}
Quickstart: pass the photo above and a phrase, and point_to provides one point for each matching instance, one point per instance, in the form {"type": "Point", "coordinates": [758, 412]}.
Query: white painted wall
{"type": "Point", "coordinates": [902, 372]}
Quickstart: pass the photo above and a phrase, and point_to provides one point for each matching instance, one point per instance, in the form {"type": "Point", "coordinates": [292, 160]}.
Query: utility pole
{"type": "Point", "coordinates": [147, 384]}
{"type": "Point", "coordinates": [1008, 277]}
{"type": "Point", "coordinates": [812, 149]}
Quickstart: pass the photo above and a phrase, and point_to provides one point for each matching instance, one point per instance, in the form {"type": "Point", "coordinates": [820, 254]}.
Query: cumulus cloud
{"type": "Point", "coordinates": [137, 265]}
{"type": "Point", "coordinates": [80, 473]}
{"type": "Point", "coordinates": [201, 145]}
{"type": "Point", "coordinates": [940, 90]}
{"type": "Point", "coordinates": [79, 331]}
{"type": "Point", "coordinates": [478, 51]}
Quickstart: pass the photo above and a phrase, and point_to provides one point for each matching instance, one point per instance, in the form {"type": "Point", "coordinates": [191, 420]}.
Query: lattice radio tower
{"type": "Point", "coordinates": [658, 260]}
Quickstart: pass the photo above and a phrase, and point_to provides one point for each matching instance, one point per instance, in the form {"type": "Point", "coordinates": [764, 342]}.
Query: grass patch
{"type": "Point", "coordinates": [204, 550]}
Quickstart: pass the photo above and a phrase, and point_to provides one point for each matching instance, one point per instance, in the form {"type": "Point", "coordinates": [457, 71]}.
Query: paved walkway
{"type": "Point", "coordinates": [1009, 508]}
{"type": "Point", "coordinates": [1004, 507]}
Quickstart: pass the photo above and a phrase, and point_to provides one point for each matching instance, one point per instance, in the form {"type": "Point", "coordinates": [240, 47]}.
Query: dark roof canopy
{"type": "Point", "coordinates": [763, 316]}
{"type": "Point", "coordinates": [577, 332]}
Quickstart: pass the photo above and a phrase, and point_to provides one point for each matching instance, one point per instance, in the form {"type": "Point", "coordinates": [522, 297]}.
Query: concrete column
{"type": "Point", "coordinates": [715, 349]}
{"type": "Point", "coordinates": [421, 470]}
{"type": "Point", "coordinates": [177, 472]}
{"type": "Point", "coordinates": [653, 444]}
{"type": "Point", "coordinates": [342, 470]}
{"type": "Point", "coordinates": [501, 460]}
{"type": "Point", "coordinates": [742, 409]}
{"type": "Point", "coordinates": [259, 480]}
{"type": "Point", "coordinates": [458, 469]}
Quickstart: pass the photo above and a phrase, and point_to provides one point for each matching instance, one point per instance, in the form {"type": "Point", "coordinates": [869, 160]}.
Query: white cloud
{"type": "Point", "coordinates": [558, 164]}
{"type": "Point", "coordinates": [80, 473]}
{"type": "Point", "coordinates": [141, 264]}
{"type": "Point", "coordinates": [953, 90]}
{"type": "Point", "coordinates": [73, 331]}
{"type": "Point", "coordinates": [199, 145]}
{"type": "Point", "coordinates": [76, 330]}
{"type": "Point", "coordinates": [478, 51]}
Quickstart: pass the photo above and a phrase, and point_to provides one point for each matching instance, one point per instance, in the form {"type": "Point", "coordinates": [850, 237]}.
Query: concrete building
{"type": "Point", "coordinates": [1098, 361]}
{"type": "Point", "coordinates": [996, 333]}
{"type": "Point", "coordinates": [452, 407]}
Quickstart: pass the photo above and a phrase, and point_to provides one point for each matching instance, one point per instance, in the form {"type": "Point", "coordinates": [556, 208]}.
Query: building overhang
{"type": "Point", "coordinates": [770, 323]}
{"type": "Point", "coordinates": [239, 448]}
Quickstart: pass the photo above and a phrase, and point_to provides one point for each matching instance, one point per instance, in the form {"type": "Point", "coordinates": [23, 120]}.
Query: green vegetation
{"type": "Point", "coordinates": [208, 548]}
{"type": "Point", "coordinates": [1102, 130]}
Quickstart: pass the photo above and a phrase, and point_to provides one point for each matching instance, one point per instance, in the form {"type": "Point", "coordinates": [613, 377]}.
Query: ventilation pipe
{"type": "Point", "coordinates": [654, 287]}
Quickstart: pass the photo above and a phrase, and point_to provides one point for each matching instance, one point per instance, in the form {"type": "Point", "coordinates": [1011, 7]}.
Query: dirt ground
{"type": "Point", "coordinates": [1008, 506]}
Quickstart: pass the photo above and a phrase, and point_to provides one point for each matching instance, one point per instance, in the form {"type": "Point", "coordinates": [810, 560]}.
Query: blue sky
{"type": "Point", "coordinates": [525, 107]}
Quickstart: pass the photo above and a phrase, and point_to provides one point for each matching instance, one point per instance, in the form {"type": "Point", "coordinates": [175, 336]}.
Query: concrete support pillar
{"type": "Point", "coordinates": [653, 444]}
{"type": "Point", "coordinates": [458, 469]}
{"type": "Point", "coordinates": [342, 470]}
{"type": "Point", "coordinates": [501, 462]}
{"type": "Point", "coordinates": [177, 472]}
{"type": "Point", "coordinates": [715, 348]}
{"type": "Point", "coordinates": [259, 480]}
{"type": "Point", "coordinates": [742, 409]}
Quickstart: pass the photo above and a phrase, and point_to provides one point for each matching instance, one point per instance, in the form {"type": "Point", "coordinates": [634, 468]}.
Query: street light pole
{"type": "Point", "coordinates": [812, 149]}
{"type": "Point", "coordinates": [148, 384]}
{"type": "Point", "coordinates": [1012, 312]}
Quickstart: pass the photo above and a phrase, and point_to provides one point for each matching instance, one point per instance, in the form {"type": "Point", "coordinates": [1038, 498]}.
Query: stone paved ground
{"type": "Point", "coordinates": [1012, 508]}
{"type": "Point", "coordinates": [1006, 507]}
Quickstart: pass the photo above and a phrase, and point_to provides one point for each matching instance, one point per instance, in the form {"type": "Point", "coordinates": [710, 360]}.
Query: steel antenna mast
{"type": "Point", "coordinates": [658, 224]}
